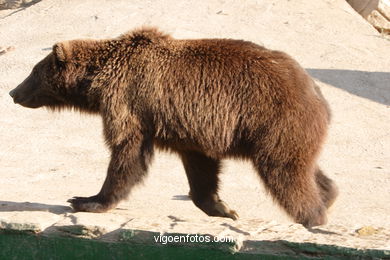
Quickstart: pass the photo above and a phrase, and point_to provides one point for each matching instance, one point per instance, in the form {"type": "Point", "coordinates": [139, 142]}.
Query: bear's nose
{"type": "Point", "coordinates": [12, 93]}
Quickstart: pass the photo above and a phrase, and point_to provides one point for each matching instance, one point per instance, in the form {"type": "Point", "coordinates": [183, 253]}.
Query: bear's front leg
{"type": "Point", "coordinates": [128, 166]}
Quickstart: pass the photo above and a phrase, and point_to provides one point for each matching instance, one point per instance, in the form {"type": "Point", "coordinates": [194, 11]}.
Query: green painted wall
{"type": "Point", "coordinates": [27, 245]}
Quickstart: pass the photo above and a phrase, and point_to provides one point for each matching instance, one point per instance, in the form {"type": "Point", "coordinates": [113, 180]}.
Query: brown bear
{"type": "Point", "coordinates": [204, 99]}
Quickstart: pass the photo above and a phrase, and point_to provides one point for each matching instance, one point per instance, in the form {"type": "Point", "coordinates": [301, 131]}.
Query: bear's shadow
{"type": "Point", "coordinates": [371, 85]}
{"type": "Point", "coordinates": [9, 206]}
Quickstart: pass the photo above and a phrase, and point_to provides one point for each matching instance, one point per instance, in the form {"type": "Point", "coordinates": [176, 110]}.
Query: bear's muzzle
{"type": "Point", "coordinates": [20, 97]}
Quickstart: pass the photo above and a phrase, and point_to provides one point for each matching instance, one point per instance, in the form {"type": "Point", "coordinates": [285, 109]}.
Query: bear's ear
{"type": "Point", "coordinates": [62, 51]}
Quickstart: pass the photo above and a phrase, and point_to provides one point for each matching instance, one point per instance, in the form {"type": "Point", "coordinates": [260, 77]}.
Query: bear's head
{"type": "Point", "coordinates": [62, 79]}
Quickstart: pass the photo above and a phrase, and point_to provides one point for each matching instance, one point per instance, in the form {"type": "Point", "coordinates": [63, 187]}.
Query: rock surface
{"type": "Point", "coordinates": [46, 158]}
{"type": "Point", "coordinates": [13, 4]}
{"type": "Point", "coordinates": [377, 12]}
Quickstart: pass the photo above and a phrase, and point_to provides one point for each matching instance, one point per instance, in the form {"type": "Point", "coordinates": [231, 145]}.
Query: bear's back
{"type": "Point", "coordinates": [209, 93]}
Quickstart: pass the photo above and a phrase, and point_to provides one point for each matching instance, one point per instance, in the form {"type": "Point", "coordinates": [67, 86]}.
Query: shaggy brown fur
{"type": "Point", "coordinates": [203, 99]}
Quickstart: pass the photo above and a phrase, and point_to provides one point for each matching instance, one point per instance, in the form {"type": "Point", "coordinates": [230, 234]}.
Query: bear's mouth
{"type": "Point", "coordinates": [29, 103]}
{"type": "Point", "coordinates": [32, 101]}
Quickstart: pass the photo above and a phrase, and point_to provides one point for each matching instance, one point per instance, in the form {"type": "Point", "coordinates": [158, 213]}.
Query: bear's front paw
{"type": "Point", "coordinates": [90, 204]}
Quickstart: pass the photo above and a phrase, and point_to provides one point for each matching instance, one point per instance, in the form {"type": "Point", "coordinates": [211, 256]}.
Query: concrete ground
{"type": "Point", "coordinates": [46, 158]}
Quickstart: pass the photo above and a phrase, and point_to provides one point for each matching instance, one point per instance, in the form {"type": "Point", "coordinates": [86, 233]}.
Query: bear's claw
{"type": "Point", "coordinates": [89, 204]}
{"type": "Point", "coordinates": [217, 208]}
{"type": "Point", "coordinates": [225, 211]}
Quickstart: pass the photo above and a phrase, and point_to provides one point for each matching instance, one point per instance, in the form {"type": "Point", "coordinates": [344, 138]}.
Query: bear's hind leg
{"type": "Point", "coordinates": [328, 189]}
{"type": "Point", "coordinates": [295, 188]}
{"type": "Point", "coordinates": [202, 173]}
{"type": "Point", "coordinates": [128, 166]}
